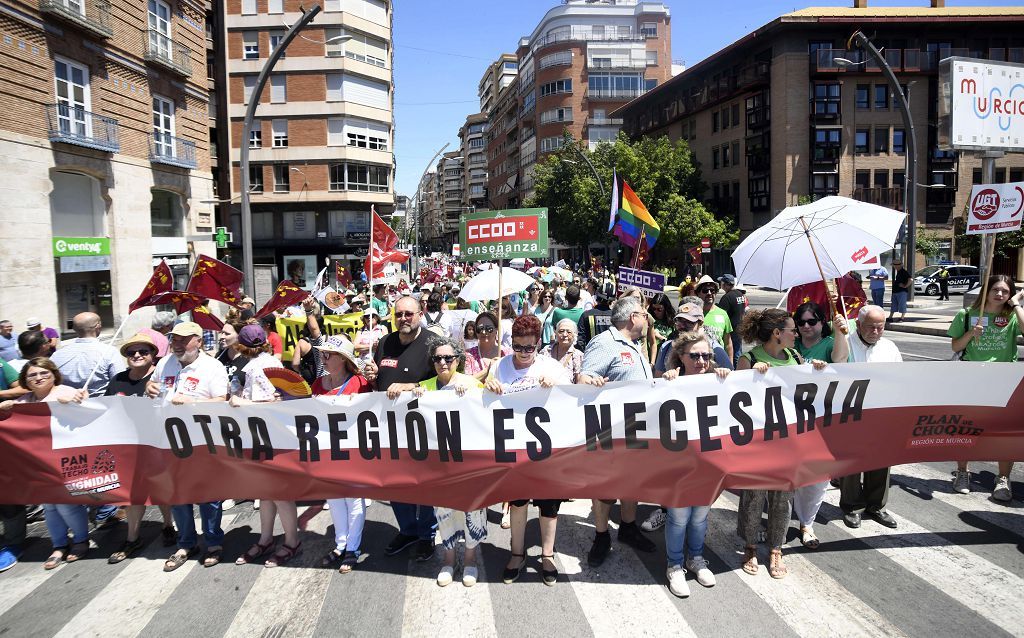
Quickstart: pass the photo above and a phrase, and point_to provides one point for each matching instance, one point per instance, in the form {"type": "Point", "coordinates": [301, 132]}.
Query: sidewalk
{"type": "Point", "coordinates": [920, 321]}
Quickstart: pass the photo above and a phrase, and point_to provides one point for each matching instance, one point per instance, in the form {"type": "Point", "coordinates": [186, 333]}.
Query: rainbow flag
{"type": "Point", "coordinates": [632, 214]}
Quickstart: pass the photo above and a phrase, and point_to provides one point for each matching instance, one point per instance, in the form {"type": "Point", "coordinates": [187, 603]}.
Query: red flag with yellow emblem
{"type": "Point", "coordinates": [851, 290]}
{"type": "Point", "coordinates": [206, 319]}
{"type": "Point", "coordinates": [216, 280]}
{"type": "Point", "coordinates": [287, 294]}
{"type": "Point", "coordinates": [160, 282]}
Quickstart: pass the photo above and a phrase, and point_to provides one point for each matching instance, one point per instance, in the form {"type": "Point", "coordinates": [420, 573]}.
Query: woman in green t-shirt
{"type": "Point", "coordinates": [775, 333]}
{"type": "Point", "coordinates": [994, 338]}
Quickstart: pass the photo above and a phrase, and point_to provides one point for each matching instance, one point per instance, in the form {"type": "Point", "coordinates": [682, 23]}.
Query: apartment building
{"type": "Point", "coordinates": [321, 147]}
{"type": "Point", "coordinates": [473, 142]}
{"type": "Point", "coordinates": [583, 60]}
{"type": "Point", "coordinates": [105, 133]}
{"type": "Point", "coordinates": [788, 111]}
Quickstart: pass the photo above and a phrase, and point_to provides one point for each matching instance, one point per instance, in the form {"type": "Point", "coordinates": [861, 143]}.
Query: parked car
{"type": "Point", "coordinates": [961, 279]}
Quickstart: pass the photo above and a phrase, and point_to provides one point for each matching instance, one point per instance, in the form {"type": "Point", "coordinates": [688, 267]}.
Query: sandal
{"type": "Point", "coordinates": [253, 553]}
{"type": "Point", "coordinates": [283, 554]}
{"type": "Point", "coordinates": [807, 537]}
{"type": "Point", "coordinates": [127, 549]}
{"type": "Point", "coordinates": [349, 562]}
{"type": "Point", "coordinates": [332, 558]}
{"type": "Point", "coordinates": [550, 576]}
{"type": "Point", "coordinates": [212, 556]}
{"type": "Point", "coordinates": [750, 560]}
{"type": "Point", "coordinates": [775, 568]}
{"type": "Point", "coordinates": [512, 574]}
{"type": "Point", "coordinates": [55, 559]}
{"type": "Point", "coordinates": [78, 551]}
{"type": "Point", "coordinates": [179, 558]}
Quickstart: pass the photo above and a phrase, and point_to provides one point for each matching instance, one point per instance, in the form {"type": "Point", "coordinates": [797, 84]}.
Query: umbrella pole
{"type": "Point", "coordinates": [500, 300]}
{"type": "Point", "coordinates": [821, 271]}
{"type": "Point", "coordinates": [842, 302]}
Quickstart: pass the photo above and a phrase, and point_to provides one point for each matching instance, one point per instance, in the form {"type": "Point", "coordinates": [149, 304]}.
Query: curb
{"type": "Point", "coordinates": [930, 331]}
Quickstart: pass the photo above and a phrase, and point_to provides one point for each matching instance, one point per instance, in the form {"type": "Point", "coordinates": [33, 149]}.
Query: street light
{"type": "Point", "coordinates": [909, 194]}
{"type": "Point", "coordinates": [416, 198]}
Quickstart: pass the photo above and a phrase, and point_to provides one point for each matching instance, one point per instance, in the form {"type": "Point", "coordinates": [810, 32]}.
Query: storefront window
{"type": "Point", "coordinates": [165, 214]}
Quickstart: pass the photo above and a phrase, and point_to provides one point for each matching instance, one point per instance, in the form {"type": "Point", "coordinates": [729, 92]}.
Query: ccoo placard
{"type": "Point", "coordinates": [504, 234]}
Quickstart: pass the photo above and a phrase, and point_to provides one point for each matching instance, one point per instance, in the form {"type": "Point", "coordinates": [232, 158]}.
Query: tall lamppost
{"type": "Point", "coordinates": [416, 198]}
{"type": "Point", "coordinates": [860, 40]}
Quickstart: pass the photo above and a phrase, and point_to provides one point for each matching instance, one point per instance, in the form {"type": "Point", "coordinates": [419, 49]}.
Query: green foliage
{"type": "Point", "coordinates": [928, 243]}
{"type": "Point", "coordinates": [662, 173]}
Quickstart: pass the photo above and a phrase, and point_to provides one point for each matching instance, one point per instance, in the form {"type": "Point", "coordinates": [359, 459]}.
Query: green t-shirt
{"type": "Point", "coordinates": [821, 350]}
{"type": "Point", "coordinates": [566, 313]}
{"type": "Point", "coordinates": [760, 355]}
{"type": "Point", "coordinates": [467, 380]}
{"type": "Point", "coordinates": [8, 375]}
{"type": "Point", "coordinates": [380, 306]}
{"type": "Point", "coordinates": [997, 343]}
{"type": "Point", "coordinates": [717, 321]}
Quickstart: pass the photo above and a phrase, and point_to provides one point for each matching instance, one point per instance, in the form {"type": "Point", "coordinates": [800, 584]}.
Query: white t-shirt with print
{"type": "Point", "coordinates": [204, 378]}
{"type": "Point", "coordinates": [514, 379]}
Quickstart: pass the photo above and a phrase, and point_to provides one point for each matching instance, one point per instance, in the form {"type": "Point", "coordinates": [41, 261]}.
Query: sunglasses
{"type": "Point", "coordinates": [447, 358]}
{"type": "Point", "coordinates": [699, 356]}
{"type": "Point", "coordinates": [405, 315]}
{"type": "Point", "coordinates": [707, 289]}
{"type": "Point", "coordinates": [523, 349]}
{"type": "Point", "coordinates": [485, 330]}
{"type": "Point", "coordinates": [133, 353]}
{"type": "Point", "coordinates": [813, 321]}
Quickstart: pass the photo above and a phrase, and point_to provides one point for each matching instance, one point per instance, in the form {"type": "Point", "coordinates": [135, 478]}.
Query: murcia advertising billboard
{"type": "Point", "coordinates": [981, 105]}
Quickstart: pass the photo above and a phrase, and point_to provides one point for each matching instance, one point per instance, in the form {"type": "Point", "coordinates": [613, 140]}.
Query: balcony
{"type": "Point", "coordinates": [73, 125]}
{"type": "Point", "coordinates": [624, 64]}
{"type": "Point", "coordinates": [759, 117]}
{"type": "Point", "coordinates": [604, 121]}
{"type": "Point", "coordinates": [613, 94]}
{"type": "Point", "coordinates": [556, 38]}
{"type": "Point", "coordinates": [90, 15]}
{"type": "Point", "coordinates": [891, 197]}
{"type": "Point", "coordinates": [170, 150]}
{"type": "Point", "coordinates": [169, 54]}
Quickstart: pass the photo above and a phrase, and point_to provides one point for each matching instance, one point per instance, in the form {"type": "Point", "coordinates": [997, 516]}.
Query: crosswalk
{"type": "Point", "coordinates": [954, 566]}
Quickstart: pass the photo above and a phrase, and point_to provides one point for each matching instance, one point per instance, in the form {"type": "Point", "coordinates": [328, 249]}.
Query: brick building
{"type": "Point", "coordinates": [787, 111]}
{"type": "Point", "coordinates": [106, 133]}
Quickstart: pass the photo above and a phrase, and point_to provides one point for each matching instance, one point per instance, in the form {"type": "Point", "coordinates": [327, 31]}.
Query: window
{"type": "Point", "coordinates": [881, 97]}
{"type": "Point", "coordinates": [359, 47]}
{"type": "Point", "coordinates": [73, 97]}
{"type": "Point", "coordinates": [652, 58]}
{"type": "Point", "coordinates": [275, 6]}
{"type": "Point", "coordinates": [735, 114]}
{"type": "Point", "coordinates": [337, 177]}
{"type": "Point", "coordinates": [549, 144]}
{"type": "Point", "coordinates": [736, 153]}
{"type": "Point", "coordinates": [278, 89]}
{"type": "Point", "coordinates": [826, 144]}
{"type": "Point", "coordinates": [814, 45]}
{"type": "Point", "coordinates": [250, 45]}
{"type": "Point", "coordinates": [825, 183]}
{"type": "Point", "coordinates": [280, 129]}
{"type": "Point", "coordinates": [165, 214]}
{"type": "Point", "coordinates": [477, 142]}
{"type": "Point", "coordinates": [725, 119]}
{"type": "Point", "coordinates": [350, 88]}
{"type": "Point", "coordinates": [882, 179]}
{"type": "Point", "coordinates": [160, 29]}
{"type": "Point", "coordinates": [715, 158]}
{"type": "Point", "coordinates": [249, 83]}
{"type": "Point", "coordinates": [649, 29]}
{"type": "Point", "coordinates": [558, 86]}
{"type": "Point", "coordinates": [248, 7]}
{"type": "Point", "coordinates": [714, 122]}
{"type": "Point", "coordinates": [163, 126]}
{"type": "Point", "coordinates": [275, 39]}
{"type": "Point", "coordinates": [256, 178]}
{"type": "Point", "coordinates": [862, 179]}
{"type": "Point", "coordinates": [725, 156]}
{"type": "Point", "coordinates": [359, 177]}
{"type": "Point", "coordinates": [299, 224]}
{"type": "Point", "coordinates": [881, 140]}
{"type": "Point", "coordinates": [898, 178]}
{"type": "Point", "coordinates": [899, 144]}
{"type": "Point", "coordinates": [76, 205]}
{"type": "Point", "coordinates": [860, 141]}
{"type": "Point", "coordinates": [862, 97]}
{"type": "Point", "coordinates": [556, 115]}
{"type": "Point", "coordinates": [826, 98]}
{"type": "Point", "coordinates": [263, 225]}
{"type": "Point", "coordinates": [255, 136]}
{"type": "Point", "coordinates": [281, 178]}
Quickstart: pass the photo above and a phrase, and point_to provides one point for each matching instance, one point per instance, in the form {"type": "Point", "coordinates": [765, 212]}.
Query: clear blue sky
{"type": "Point", "coordinates": [443, 46]}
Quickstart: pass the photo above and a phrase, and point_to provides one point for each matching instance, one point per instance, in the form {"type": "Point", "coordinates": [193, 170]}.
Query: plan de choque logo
{"type": "Point", "coordinates": [945, 430]}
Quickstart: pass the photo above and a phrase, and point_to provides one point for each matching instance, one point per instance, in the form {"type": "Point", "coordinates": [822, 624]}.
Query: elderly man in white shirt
{"type": "Point", "coordinates": [867, 493]}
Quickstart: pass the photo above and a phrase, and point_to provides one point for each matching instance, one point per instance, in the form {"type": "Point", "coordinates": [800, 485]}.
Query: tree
{"type": "Point", "coordinates": [662, 173]}
{"type": "Point", "coordinates": [928, 244]}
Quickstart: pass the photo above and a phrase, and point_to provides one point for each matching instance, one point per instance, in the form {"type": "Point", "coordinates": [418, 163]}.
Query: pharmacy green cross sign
{"type": "Point", "coordinates": [222, 237]}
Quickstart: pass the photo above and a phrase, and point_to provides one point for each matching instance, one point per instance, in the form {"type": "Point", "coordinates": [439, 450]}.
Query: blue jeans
{"type": "Point", "coordinates": [415, 520]}
{"type": "Point", "coordinates": [685, 524]}
{"type": "Point", "coordinates": [878, 296]}
{"type": "Point", "coordinates": [737, 346]}
{"type": "Point", "coordinates": [209, 515]}
{"type": "Point", "coordinates": [61, 518]}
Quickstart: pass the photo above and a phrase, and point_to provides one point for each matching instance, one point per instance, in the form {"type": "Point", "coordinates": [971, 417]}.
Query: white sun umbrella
{"type": "Point", "coordinates": [495, 284]}
{"type": "Point", "coordinates": [818, 241]}
{"type": "Point", "coordinates": [562, 273]}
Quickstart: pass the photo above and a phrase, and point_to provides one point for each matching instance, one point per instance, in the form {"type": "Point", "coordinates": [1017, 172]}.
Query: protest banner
{"type": "Point", "coordinates": [674, 443]}
{"type": "Point", "coordinates": [349, 324]}
{"type": "Point", "coordinates": [289, 329]}
{"type": "Point", "coordinates": [649, 283]}
{"type": "Point", "coordinates": [995, 208]}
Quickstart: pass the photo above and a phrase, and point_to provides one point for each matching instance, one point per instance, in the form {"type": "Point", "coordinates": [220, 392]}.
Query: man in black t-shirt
{"type": "Point", "coordinates": [734, 303]}
{"type": "Point", "coordinates": [399, 364]}
{"type": "Point", "coordinates": [900, 291]}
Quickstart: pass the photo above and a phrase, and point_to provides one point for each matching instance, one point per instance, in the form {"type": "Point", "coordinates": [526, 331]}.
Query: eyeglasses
{"type": "Point", "coordinates": [134, 353]}
{"type": "Point", "coordinates": [707, 289]}
{"type": "Point", "coordinates": [485, 330]}
{"type": "Point", "coordinates": [523, 349]}
{"type": "Point", "coordinates": [39, 375]}
{"type": "Point", "coordinates": [447, 358]}
{"type": "Point", "coordinates": [687, 326]}
{"type": "Point", "coordinates": [699, 356]}
{"type": "Point", "coordinates": [405, 315]}
{"type": "Point", "coordinates": [813, 321]}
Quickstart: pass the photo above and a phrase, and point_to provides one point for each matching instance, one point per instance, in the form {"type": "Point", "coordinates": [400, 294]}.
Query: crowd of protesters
{"type": "Point", "coordinates": [424, 338]}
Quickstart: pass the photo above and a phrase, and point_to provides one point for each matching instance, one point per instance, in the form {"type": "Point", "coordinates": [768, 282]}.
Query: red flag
{"type": "Point", "coordinates": [206, 319]}
{"type": "Point", "coordinates": [182, 301]}
{"type": "Point", "coordinates": [695, 253]}
{"type": "Point", "coordinates": [287, 294]}
{"type": "Point", "coordinates": [161, 281]}
{"type": "Point", "coordinates": [382, 248]}
{"type": "Point", "coordinates": [216, 280]}
{"type": "Point", "coordinates": [851, 290]}
{"type": "Point", "coordinates": [343, 276]}
{"type": "Point", "coordinates": [641, 252]}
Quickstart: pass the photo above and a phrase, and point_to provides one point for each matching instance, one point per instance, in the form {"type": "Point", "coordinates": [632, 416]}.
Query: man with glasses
{"type": "Point", "coordinates": [868, 492]}
{"type": "Point", "coordinates": [900, 291]}
{"type": "Point", "coordinates": [617, 355]}
{"type": "Point", "coordinates": [716, 322]}
{"type": "Point", "coordinates": [689, 318]}
{"type": "Point", "coordinates": [399, 363]}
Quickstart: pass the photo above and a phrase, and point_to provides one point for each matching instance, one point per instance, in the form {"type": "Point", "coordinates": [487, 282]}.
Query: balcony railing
{"type": "Point", "coordinates": [74, 125]}
{"type": "Point", "coordinates": [174, 151]}
{"type": "Point", "coordinates": [891, 197]}
{"type": "Point", "coordinates": [555, 38]}
{"type": "Point", "coordinates": [614, 94]}
{"type": "Point", "coordinates": [169, 54]}
{"type": "Point", "coordinates": [604, 121]}
{"type": "Point", "coordinates": [617, 64]}
{"type": "Point", "coordinates": [91, 15]}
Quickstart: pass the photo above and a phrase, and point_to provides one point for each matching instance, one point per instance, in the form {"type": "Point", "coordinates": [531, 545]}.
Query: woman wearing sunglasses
{"type": "Point", "coordinates": [816, 342]}
{"type": "Point", "coordinates": [447, 356]}
{"type": "Point", "coordinates": [775, 333]}
{"type": "Point", "coordinates": [521, 371]}
{"type": "Point", "coordinates": [487, 350]}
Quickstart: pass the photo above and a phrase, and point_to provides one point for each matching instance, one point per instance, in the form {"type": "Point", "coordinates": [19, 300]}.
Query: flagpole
{"type": "Point", "coordinates": [369, 275]}
{"type": "Point", "coordinates": [112, 341]}
{"type": "Point", "coordinates": [639, 245]}
{"type": "Point", "coordinates": [501, 270]}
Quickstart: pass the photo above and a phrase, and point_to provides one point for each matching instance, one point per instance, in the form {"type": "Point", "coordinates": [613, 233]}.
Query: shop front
{"type": "Point", "coordinates": [83, 278]}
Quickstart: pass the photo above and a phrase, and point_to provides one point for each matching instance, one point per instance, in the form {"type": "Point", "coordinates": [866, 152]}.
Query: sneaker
{"type": "Point", "coordinates": [326, 507]}
{"type": "Point", "coordinates": [599, 550]}
{"type": "Point", "coordinates": [256, 504]}
{"type": "Point", "coordinates": [1002, 491]}
{"type": "Point", "coordinates": [445, 576]}
{"type": "Point", "coordinates": [399, 543]}
{"type": "Point", "coordinates": [424, 550]}
{"type": "Point", "coordinates": [506, 520]}
{"type": "Point", "coordinates": [9, 557]}
{"type": "Point", "coordinates": [655, 521]}
{"type": "Point", "coordinates": [227, 504]}
{"type": "Point", "coordinates": [469, 576]}
{"type": "Point", "coordinates": [962, 482]}
{"type": "Point", "coordinates": [697, 565]}
{"type": "Point", "coordinates": [677, 581]}
{"type": "Point", "coordinates": [630, 534]}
